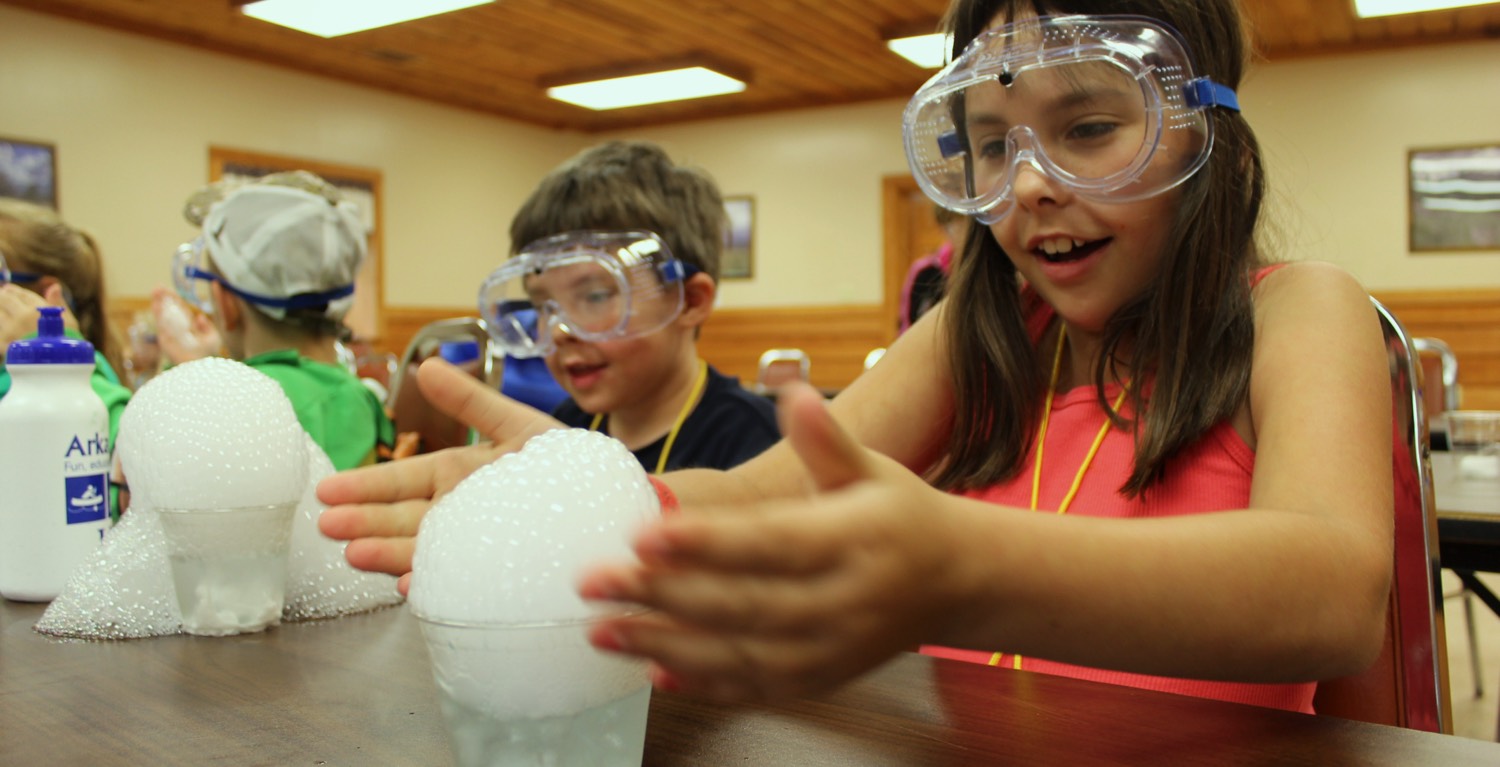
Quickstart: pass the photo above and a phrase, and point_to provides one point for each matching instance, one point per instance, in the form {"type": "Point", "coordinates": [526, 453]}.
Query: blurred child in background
{"type": "Point", "coordinates": [273, 274]}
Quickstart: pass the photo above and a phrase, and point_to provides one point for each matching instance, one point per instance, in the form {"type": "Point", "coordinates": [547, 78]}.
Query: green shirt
{"type": "Point", "coordinates": [343, 416]}
{"type": "Point", "coordinates": [114, 394]}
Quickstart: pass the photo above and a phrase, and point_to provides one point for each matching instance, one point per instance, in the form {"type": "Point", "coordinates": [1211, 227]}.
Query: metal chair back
{"type": "Point", "coordinates": [1408, 685]}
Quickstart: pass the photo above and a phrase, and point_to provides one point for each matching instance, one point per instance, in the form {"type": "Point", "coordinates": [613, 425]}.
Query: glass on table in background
{"type": "Point", "coordinates": [1474, 440]}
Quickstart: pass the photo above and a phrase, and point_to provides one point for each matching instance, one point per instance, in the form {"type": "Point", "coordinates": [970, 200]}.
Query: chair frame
{"type": "Point", "coordinates": [1408, 685]}
{"type": "Point", "coordinates": [773, 356]}
{"type": "Point", "coordinates": [455, 329]}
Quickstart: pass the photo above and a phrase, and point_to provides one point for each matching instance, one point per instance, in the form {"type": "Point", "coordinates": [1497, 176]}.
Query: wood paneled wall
{"type": "Point", "coordinates": [837, 338]}
{"type": "Point", "coordinates": [1469, 322]}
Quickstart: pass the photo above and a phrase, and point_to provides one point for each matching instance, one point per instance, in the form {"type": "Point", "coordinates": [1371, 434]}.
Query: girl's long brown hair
{"type": "Point", "coordinates": [1190, 332]}
{"type": "Point", "coordinates": [35, 239]}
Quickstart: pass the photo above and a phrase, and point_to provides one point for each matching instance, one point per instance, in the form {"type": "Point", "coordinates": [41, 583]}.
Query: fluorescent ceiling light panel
{"type": "Point", "coordinates": [926, 51]}
{"type": "Point", "coordinates": [331, 18]}
{"type": "Point", "coordinates": [1368, 8]}
{"type": "Point", "coordinates": [654, 88]}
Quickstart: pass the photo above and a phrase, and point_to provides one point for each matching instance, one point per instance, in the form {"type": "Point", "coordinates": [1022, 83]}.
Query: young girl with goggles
{"type": "Point", "coordinates": [1108, 105]}
{"type": "Point", "coordinates": [1105, 454]}
{"type": "Point", "coordinates": [597, 286]}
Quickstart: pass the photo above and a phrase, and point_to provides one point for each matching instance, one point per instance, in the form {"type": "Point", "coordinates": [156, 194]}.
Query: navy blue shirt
{"type": "Point", "coordinates": [729, 426]}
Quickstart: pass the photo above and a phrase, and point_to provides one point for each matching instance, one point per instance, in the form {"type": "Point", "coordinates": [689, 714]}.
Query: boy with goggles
{"type": "Point", "coordinates": [597, 286]}
{"type": "Point", "coordinates": [619, 264]}
{"type": "Point", "coordinates": [273, 272]}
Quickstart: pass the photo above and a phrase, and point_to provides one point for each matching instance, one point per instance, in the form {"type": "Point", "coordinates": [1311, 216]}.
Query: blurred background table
{"type": "Point", "coordinates": [357, 691]}
{"type": "Point", "coordinates": [1468, 524]}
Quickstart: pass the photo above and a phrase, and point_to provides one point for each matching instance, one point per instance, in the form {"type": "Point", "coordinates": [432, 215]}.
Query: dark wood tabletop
{"type": "Point", "coordinates": [358, 691]}
{"type": "Point", "coordinates": [1468, 517]}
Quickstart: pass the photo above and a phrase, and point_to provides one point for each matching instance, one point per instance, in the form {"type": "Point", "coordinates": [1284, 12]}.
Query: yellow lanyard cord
{"type": "Point", "coordinates": [687, 408]}
{"type": "Point", "coordinates": [1041, 438]}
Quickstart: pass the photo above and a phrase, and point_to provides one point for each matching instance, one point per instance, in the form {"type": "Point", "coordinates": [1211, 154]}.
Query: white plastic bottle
{"type": "Point", "coordinates": [54, 463]}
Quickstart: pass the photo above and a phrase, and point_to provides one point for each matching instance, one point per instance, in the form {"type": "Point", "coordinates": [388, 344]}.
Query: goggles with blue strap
{"type": "Point", "coordinates": [7, 276]}
{"type": "Point", "coordinates": [191, 278]}
{"type": "Point", "coordinates": [1108, 106]}
{"type": "Point", "coordinates": [593, 285]}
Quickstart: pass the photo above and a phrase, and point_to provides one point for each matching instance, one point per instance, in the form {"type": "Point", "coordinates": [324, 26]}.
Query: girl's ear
{"type": "Point", "coordinates": [227, 306]}
{"type": "Point", "coordinates": [698, 299]}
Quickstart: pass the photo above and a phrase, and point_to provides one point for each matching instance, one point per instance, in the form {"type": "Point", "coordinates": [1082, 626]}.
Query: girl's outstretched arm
{"type": "Point", "coordinates": [378, 508]}
{"type": "Point", "coordinates": [792, 596]}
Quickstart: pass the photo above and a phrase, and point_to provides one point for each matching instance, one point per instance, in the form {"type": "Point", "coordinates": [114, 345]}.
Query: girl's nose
{"type": "Point", "coordinates": [1034, 188]}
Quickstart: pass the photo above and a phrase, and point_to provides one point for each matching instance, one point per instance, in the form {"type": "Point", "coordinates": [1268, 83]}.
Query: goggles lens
{"type": "Point", "coordinates": [1105, 105]}
{"type": "Point", "coordinates": [596, 286]}
{"type": "Point", "coordinates": [190, 278]}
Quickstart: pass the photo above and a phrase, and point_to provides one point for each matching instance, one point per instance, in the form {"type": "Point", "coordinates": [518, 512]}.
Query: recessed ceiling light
{"type": "Point", "coordinates": [331, 18]}
{"type": "Point", "coordinates": [1369, 8]}
{"type": "Point", "coordinates": [926, 51]}
{"type": "Point", "coordinates": [653, 88]}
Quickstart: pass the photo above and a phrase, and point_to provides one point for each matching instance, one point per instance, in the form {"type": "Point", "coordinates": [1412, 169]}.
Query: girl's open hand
{"type": "Point", "coordinates": [791, 597]}
{"type": "Point", "coordinates": [378, 508]}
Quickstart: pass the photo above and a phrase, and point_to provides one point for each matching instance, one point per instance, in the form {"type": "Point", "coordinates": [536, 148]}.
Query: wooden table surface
{"type": "Point", "coordinates": [358, 691]}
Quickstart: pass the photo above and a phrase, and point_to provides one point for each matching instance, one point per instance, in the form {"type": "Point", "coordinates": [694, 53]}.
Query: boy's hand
{"type": "Point", "coordinates": [184, 335]}
{"type": "Point", "coordinates": [378, 508]}
{"type": "Point", "coordinates": [791, 597]}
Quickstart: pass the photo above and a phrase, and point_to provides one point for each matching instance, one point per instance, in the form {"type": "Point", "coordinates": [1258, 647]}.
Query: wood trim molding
{"type": "Point", "coordinates": [1468, 320]}
{"type": "Point", "coordinates": [837, 338]}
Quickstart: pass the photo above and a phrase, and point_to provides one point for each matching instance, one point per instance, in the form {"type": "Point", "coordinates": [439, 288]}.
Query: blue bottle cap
{"type": "Point", "coordinates": [50, 347]}
{"type": "Point", "coordinates": [459, 352]}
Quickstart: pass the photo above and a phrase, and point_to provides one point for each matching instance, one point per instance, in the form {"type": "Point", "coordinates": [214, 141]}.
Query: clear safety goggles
{"type": "Point", "coordinates": [191, 278]}
{"type": "Point", "coordinates": [1107, 105]}
{"type": "Point", "coordinates": [595, 286]}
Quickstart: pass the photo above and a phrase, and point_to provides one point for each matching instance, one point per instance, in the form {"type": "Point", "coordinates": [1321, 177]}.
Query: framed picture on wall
{"type": "Point", "coordinates": [28, 170]}
{"type": "Point", "coordinates": [1455, 198]}
{"type": "Point", "coordinates": [739, 239]}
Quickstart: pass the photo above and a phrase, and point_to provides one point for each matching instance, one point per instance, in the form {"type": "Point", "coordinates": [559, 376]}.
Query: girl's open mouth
{"type": "Point", "coordinates": [1069, 251]}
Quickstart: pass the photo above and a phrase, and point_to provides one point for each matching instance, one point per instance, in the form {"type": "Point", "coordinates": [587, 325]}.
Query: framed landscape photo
{"type": "Point", "coordinates": [739, 239]}
{"type": "Point", "coordinates": [1454, 195]}
{"type": "Point", "coordinates": [28, 170]}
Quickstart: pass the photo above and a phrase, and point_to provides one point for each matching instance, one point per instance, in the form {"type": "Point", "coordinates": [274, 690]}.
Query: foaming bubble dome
{"type": "Point", "coordinates": [506, 545]}
{"type": "Point", "coordinates": [209, 433]}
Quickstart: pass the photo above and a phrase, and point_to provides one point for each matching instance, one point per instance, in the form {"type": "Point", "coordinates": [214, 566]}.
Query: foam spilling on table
{"type": "Point", "coordinates": [208, 434]}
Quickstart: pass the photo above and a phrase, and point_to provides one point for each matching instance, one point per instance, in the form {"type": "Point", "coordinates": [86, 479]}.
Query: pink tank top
{"type": "Point", "coordinates": [1213, 474]}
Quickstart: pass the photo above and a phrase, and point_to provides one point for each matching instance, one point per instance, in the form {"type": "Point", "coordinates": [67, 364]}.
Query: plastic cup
{"type": "Point", "coordinates": [229, 566]}
{"type": "Point", "coordinates": [537, 694]}
{"type": "Point", "coordinates": [1474, 440]}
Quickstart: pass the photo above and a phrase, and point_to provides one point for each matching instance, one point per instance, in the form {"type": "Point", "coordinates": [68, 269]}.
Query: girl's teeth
{"type": "Point", "coordinates": [1055, 247]}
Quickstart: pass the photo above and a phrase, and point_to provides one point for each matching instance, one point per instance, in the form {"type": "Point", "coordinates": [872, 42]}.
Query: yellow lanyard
{"type": "Point", "coordinates": [1041, 438]}
{"type": "Point", "coordinates": [687, 408]}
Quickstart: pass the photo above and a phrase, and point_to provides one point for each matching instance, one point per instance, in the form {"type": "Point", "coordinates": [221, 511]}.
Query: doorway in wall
{"type": "Point", "coordinates": [911, 232]}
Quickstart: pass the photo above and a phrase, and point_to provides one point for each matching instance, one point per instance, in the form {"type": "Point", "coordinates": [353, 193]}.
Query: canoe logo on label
{"type": "Point", "coordinates": [87, 500]}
